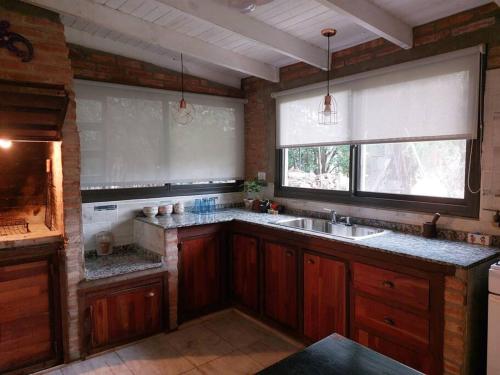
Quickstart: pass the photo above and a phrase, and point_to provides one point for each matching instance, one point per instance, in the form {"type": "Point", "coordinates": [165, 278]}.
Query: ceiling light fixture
{"type": "Point", "coordinates": [5, 144]}
{"type": "Point", "coordinates": [183, 114]}
{"type": "Point", "coordinates": [327, 114]}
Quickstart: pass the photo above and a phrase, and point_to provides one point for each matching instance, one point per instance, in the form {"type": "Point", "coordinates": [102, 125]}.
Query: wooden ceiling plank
{"type": "Point", "coordinates": [133, 27]}
{"type": "Point", "coordinates": [374, 19]}
{"type": "Point", "coordinates": [251, 28]}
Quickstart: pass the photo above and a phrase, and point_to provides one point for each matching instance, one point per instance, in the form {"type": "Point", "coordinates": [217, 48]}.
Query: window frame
{"type": "Point", "coordinates": [466, 207]}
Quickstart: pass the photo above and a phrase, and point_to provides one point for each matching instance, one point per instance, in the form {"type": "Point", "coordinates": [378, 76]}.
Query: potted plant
{"type": "Point", "coordinates": [252, 189]}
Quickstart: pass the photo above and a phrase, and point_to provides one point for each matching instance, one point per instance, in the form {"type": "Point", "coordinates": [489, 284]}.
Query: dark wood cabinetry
{"type": "Point", "coordinates": [118, 311]}
{"type": "Point", "coordinates": [324, 296]}
{"type": "Point", "coordinates": [313, 287]}
{"type": "Point", "coordinates": [201, 265]}
{"type": "Point", "coordinates": [393, 313]}
{"type": "Point", "coordinates": [280, 283]}
{"type": "Point", "coordinates": [394, 350]}
{"type": "Point", "coordinates": [29, 309]}
{"type": "Point", "coordinates": [125, 314]}
{"type": "Point", "coordinates": [245, 271]}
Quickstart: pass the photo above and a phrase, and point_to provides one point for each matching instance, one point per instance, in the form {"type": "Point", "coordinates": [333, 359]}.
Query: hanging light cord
{"type": "Point", "coordinates": [328, 68]}
{"type": "Point", "coordinates": [182, 77]}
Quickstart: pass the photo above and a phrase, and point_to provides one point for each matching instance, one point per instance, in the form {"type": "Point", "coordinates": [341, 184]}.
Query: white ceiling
{"type": "Point", "coordinates": [301, 19]}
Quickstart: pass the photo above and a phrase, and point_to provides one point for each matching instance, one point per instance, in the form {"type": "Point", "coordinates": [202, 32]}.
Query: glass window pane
{"type": "Point", "coordinates": [325, 167]}
{"type": "Point", "coordinates": [434, 168]}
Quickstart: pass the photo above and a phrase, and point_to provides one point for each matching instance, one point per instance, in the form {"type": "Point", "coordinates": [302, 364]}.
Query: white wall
{"type": "Point", "coordinates": [490, 180]}
{"type": "Point", "coordinates": [121, 221]}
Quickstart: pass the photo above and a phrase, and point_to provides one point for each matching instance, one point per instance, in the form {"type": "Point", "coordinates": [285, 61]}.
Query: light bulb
{"type": "Point", "coordinates": [5, 144]}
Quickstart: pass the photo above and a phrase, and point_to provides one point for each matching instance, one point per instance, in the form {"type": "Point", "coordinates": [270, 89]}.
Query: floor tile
{"type": "Point", "coordinates": [154, 357]}
{"type": "Point", "coordinates": [269, 350]}
{"type": "Point", "coordinates": [235, 363]}
{"type": "Point", "coordinates": [106, 364]}
{"type": "Point", "coordinates": [235, 329]}
{"type": "Point", "coordinates": [199, 344]}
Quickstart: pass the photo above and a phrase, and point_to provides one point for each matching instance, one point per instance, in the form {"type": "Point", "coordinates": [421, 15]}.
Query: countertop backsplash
{"type": "Point", "coordinates": [118, 216]}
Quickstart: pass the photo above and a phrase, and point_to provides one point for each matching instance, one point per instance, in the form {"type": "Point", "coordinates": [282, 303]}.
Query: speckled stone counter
{"type": "Point", "coordinates": [122, 261]}
{"type": "Point", "coordinates": [457, 254]}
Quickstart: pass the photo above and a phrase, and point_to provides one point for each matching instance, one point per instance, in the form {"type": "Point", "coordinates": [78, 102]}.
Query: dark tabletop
{"type": "Point", "coordinates": [336, 355]}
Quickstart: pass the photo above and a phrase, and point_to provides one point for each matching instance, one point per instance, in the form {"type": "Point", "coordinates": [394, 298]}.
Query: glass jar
{"type": "Point", "coordinates": [104, 243]}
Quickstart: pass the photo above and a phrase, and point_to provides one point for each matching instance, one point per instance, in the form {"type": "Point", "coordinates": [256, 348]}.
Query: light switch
{"type": "Point", "coordinates": [261, 176]}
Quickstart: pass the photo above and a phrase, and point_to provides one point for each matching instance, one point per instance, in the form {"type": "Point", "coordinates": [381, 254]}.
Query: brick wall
{"type": "Point", "coordinates": [52, 65]}
{"type": "Point", "coordinates": [101, 66]}
{"type": "Point", "coordinates": [462, 30]}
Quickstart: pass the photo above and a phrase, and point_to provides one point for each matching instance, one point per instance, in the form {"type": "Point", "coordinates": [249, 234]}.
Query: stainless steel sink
{"type": "Point", "coordinates": [353, 232]}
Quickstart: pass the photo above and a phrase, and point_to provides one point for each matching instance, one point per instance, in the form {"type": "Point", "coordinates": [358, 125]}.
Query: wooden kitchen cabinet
{"type": "Point", "coordinates": [123, 309]}
{"type": "Point", "coordinates": [390, 313]}
{"type": "Point", "coordinates": [125, 314]}
{"type": "Point", "coordinates": [29, 309]}
{"type": "Point", "coordinates": [201, 271]}
{"type": "Point", "coordinates": [324, 296]}
{"type": "Point", "coordinates": [280, 284]}
{"type": "Point", "coordinates": [394, 350]}
{"type": "Point", "coordinates": [245, 271]}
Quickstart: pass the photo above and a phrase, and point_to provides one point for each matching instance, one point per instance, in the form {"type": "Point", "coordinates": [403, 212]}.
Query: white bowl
{"type": "Point", "coordinates": [150, 211]}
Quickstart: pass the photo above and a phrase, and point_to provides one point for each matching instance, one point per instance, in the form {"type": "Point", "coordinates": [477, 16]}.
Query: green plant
{"type": "Point", "coordinates": [253, 186]}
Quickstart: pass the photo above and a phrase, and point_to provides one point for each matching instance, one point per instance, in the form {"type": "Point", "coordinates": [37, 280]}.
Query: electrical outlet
{"type": "Point", "coordinates": [261, 176]}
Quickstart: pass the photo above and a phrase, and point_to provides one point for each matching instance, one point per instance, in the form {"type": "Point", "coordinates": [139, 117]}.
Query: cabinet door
{"type": "Point", "coordinates": [409, 357]}
{"type": "Point", "coordinates": [245, 271]}
{"type": "Point", "coordinates": [200, 274]}
{"type": "Point", "coordinates": [280, 280]}
{"type": "Point", "coordinates": [125, 314]}
{"type": "Point", "coordinates": [324, 297]}
{"type": "Point", "coordinates": [26, 336]}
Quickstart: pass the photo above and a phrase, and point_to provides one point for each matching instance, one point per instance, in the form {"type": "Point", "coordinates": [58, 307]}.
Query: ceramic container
{"type": "Point", "coordinates": [179, 208]}
{"type": "Point", "coordinates": [150, 211]}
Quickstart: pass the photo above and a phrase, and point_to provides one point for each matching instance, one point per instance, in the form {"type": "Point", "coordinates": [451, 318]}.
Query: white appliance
{"type": "Point", "coordinates": [494, 320]}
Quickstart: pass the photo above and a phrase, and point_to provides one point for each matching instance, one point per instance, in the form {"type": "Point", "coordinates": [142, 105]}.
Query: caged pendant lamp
{"type": "Point", "coordinates": [327, 113]}
{"type": "Point", "coordinates": [183, 114]}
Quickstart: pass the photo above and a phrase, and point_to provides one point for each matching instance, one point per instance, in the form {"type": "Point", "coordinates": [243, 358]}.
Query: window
{"type": "Point", "coordinates": [434, 169]}
{"type": "Point", "coordinates": [324, 167]}
{"type": "Point", "coordinates": [129, 140]}
{"type": "Point", "coordinates": [406, 138]}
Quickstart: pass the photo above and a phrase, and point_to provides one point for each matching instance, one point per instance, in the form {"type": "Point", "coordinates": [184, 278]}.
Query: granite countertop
{"type": "Point", "coordinates": [122, 261]}
{"type": "Point", "coordinates": [451, 253]}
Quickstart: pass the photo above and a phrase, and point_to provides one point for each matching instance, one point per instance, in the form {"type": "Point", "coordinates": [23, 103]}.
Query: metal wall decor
{"type": "Point", "coordinates": [15, 43]}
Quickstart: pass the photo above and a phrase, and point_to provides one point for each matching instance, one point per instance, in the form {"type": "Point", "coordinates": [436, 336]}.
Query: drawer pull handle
{"type": "Point", "coordinates": [289, 253]}
{"type": "Point", "coordinates": [388, 284]}
{"type": "Point", "coordinates": [310, 261]}
{"type": "Point", "coordinates": [389, 321]}
{"type": "Point", "coordinates": [150, 294]}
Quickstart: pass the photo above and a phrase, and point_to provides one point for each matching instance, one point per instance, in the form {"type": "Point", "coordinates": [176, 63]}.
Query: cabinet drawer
{"type": "Point", "coordinates": [389, 320]}
{"type": "Point", "coordinates": [420, 361]}
{"type": "Point", "coordinates": [394, 286]}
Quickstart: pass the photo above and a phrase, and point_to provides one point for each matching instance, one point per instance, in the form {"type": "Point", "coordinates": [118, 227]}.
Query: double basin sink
{"type": "Point", "coordinates": [352, 232]}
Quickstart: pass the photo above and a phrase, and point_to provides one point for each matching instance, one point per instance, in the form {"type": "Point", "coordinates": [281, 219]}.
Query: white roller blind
{"type": "Point", "coordinates": [128, 137]}
{"type": "Point", "coordinates": [429, 99]}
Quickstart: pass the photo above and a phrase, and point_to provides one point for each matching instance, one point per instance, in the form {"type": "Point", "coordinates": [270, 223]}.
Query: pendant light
{"type": "Point", "coordinates": [183, 114]}
{"type": "Point", "coordinates": [327, 113]}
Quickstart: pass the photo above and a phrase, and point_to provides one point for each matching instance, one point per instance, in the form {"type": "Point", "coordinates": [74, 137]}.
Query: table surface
{"type": "Point", "coordinates": [337, 355]}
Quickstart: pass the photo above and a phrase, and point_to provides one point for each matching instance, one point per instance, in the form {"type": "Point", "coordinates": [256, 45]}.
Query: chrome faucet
{"type": "Point", "coordinates": [333, 218]}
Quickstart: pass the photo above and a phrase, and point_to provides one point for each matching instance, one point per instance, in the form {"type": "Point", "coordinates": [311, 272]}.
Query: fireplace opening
{"type": "Point", "coordinates": [30, 188]}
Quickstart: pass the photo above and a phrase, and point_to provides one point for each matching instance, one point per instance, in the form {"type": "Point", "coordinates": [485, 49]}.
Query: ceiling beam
{"type": "Point", "coordinates": [373, 18]}
{"type": "Point", "coordinates": [88, 40]}
{"type": "Point", "coordinates": [151, 33]}
{"type": "Point", "coordinates": [251, 28]}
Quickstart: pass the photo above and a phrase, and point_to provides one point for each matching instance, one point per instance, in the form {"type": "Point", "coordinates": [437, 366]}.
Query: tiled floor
{"type": "Point", "coordinates": [223, 343]}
